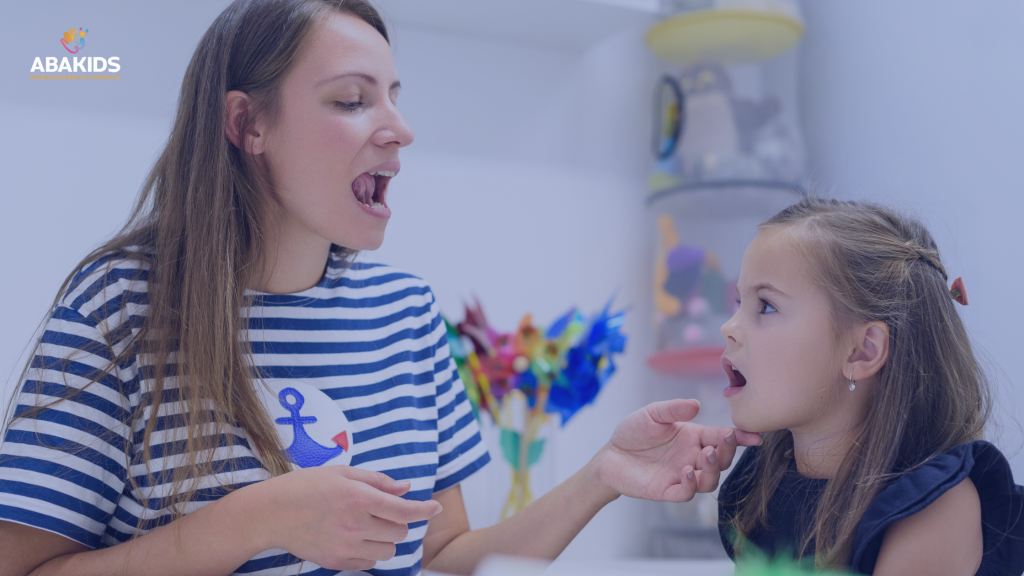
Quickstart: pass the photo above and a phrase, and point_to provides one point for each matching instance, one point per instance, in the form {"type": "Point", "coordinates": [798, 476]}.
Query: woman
{"type": "Point", "coordinates": [149, 438]}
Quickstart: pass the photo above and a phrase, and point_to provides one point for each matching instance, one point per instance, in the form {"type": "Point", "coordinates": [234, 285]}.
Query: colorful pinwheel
{"type": "Point", "coordinates": [557, 371]}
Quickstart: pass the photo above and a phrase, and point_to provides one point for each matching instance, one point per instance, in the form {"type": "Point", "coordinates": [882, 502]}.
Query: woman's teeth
{"type": "Point", "coordinates": [369, 183]}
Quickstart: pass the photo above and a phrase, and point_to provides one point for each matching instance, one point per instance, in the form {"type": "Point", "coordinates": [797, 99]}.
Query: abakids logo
{"type": "Point", "coordinates": [74, 41]}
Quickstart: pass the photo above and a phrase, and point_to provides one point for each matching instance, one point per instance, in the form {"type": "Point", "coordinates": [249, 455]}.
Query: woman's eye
{"type": "Point", "coordinates": [348, 105]}
{"type": "Point", "coordinates": [767, 307]}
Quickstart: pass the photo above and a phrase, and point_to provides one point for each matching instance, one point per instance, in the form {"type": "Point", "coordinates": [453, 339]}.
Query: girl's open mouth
{"type": "Point", "coordinates": [370, 189]}
{"type": "Point", "coordinates": [736, 379]}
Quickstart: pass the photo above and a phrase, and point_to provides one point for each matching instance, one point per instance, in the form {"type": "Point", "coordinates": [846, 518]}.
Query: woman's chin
{"type": "Point", "coordinates": [367, 241]}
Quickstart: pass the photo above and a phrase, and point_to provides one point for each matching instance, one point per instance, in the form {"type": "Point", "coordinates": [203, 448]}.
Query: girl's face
{"type": "Point", "coordinates": [335, 145]}
{"type": "Point", "coordinates": [780, 341]}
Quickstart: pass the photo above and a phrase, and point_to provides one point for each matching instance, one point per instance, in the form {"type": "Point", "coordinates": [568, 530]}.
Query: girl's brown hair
{"type": "Point", "coordinates": [200, 219]}
{"type": "Point", "coordinates": [932, 395]}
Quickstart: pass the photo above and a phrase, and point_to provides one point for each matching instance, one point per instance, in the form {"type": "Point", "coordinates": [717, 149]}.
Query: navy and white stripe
{"type": "Point", "coordinates": [369, 337]}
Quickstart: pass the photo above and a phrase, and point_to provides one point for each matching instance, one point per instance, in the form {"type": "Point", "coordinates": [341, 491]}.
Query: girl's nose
{"type": "Point", "coordinates": [730, 330]}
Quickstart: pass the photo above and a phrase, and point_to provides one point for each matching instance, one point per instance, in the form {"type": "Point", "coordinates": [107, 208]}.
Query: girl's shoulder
{"type": "Point", "coordinates": [732, 491]}
{"type": "Point", "coordinates": [1002, 505]}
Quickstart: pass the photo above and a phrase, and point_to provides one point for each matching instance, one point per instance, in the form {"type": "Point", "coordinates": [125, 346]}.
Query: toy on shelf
{"type": "Point", "coordinates": [729, 114]}
{"type": "Point", "coordinates": [692, 298]}
{"type": "Point", "coordinates": [533, 373]}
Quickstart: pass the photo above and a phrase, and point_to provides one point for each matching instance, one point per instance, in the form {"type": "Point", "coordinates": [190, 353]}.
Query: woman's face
{"type": "Point", "coordinates": [335, 145]}
{"type": "Point", "coordinates": [780, 341]}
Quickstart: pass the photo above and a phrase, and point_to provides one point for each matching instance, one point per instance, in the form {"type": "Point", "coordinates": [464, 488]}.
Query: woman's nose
{"type": "Point", "coordinates": [395, 131]}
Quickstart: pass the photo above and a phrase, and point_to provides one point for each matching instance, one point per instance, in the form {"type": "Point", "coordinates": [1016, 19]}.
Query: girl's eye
{"type": "Point", "coordinates": [348, 105]}
{"type": "Point", "coordinates": [767, 307]}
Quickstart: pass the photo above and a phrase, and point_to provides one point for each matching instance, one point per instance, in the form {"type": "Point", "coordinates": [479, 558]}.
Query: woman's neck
{"type": "Point", "coordinates": [293, 260]}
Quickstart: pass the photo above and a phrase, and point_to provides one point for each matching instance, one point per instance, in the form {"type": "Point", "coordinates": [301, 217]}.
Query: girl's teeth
{"type": "Point", "coordinates": [388, 173]}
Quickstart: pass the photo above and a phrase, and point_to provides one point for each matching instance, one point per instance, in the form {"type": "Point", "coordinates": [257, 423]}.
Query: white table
{"type": "Point", "coordinates": [509, 566]}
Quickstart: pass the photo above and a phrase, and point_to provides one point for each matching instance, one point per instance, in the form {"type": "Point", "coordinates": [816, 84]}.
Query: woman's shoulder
{"type": "Point", "coordinates": [1001, 499]}
{"type": "Point", "coordinates": [373, 278]}
{"type": "Point", "coordinates": [107, 283]}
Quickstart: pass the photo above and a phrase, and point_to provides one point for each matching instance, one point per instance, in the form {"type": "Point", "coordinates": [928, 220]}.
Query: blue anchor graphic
{"type": "Point", "coordinates": [304, 451]}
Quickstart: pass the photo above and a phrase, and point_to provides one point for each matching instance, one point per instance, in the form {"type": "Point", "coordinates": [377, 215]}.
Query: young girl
{"type": "Point", "coordinates": [848, 354]}
{"type": "Point", "coordinates": [220, 389]}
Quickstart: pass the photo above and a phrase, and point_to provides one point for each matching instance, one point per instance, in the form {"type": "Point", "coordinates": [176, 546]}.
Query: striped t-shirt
{"type": "Point", "coordinates": [359, 373]}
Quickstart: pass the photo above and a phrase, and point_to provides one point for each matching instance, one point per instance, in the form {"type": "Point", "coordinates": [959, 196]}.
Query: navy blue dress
{"type": "Point", "coordinates": [791, 510]}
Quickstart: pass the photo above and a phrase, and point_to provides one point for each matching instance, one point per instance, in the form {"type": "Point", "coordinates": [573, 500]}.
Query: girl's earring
{"type": "Point", "coordinates": [852, 385]}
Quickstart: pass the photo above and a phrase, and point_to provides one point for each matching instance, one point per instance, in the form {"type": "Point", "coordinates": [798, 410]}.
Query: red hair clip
{"type": "Point", "coordinates": [958, 291]}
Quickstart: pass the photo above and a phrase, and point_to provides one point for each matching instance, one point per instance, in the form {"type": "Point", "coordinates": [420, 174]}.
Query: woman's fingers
{"type": "Point", "coordinates": [377, 551]}
{"type": "Point", "coordinates": [400, 510]}
{"type": "Point", "coordinates": [711, 468]}
{"type": "Point", "coordinates": [355, 564]}
{"type": "Point", "coordinates": [383, 530]}
{"type": "Point", "coordinates": [748, 438]}
{"type": "Point", "coordinates": [726, 448]}
{"type": "Point", "coordinates": [672, 411]}
{"type": "Point", "coordinates": [684, 491]}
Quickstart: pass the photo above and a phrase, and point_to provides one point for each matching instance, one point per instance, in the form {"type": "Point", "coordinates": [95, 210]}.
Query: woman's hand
{"type": "Point", "coordinates": [656, 454]}
{"type": "Point", "coordinates": [339, 517]}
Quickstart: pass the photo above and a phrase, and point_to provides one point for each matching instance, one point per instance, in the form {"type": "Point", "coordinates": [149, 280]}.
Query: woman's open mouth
{"type": "Point", "coordinates": [736, 379]}
{"type": "Point", "coordinates": [371, 188]}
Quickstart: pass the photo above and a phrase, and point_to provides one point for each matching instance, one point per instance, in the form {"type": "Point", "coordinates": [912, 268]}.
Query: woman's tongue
{"type": "Point", "coordinates": [363, 187]}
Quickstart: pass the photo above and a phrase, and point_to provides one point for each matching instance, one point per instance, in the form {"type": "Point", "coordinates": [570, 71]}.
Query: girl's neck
{"type": "Point", "coordinates": [819, 455]}
{"type": "Point", "coordinates": [820, 446]}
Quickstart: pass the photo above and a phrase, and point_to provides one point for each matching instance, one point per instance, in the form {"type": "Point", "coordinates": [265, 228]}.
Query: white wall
{"type": "Point", "coordinates": [531, 162]}
{"type": "Point", "coordinates": [918, 104]}
{"type": "Point", "coordinates": [525, 187]}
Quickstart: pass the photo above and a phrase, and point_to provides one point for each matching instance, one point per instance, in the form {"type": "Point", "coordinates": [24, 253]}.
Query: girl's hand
{"type": "Point", "coordinates": [656, 454]}
{"type": "Point", "coordinates": [339, 517]}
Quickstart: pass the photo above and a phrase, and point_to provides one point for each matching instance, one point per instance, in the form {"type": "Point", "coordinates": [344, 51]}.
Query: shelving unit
{"type": "Point", "coordinates": [728, 156]}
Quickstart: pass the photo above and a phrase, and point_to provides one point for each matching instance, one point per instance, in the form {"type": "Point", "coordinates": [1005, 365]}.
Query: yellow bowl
{"type": "Point", "coordinates": [727, 36]}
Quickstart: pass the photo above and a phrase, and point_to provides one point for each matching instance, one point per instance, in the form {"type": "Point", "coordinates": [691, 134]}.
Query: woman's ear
{"type": "Point", "coordinates": [870, 353]}
{"type": "Point", "coordinates": [238, 104]}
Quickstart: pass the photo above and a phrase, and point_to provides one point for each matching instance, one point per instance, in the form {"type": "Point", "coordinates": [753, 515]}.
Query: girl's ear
{"type": "Point", "coordinates": [870, 353]}
{"type": "Point", "coordinates": [238, 103]}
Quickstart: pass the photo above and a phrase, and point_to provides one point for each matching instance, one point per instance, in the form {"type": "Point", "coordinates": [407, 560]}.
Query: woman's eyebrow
{"type": "Point", "coordinates": [362, 75]}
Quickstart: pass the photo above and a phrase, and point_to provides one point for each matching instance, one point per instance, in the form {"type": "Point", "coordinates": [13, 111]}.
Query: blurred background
{"type": "Point", "coordinates": [546, 154]}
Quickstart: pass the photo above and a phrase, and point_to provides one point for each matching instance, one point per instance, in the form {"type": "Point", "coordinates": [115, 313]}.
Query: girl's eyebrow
{"type": "Point", "coordinates": [362, 75]}
{"type": "Point", "coordinates": [768, 286]}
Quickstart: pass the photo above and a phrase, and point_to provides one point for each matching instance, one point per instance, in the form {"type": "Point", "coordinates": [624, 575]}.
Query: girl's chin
{"type": "Point", "coordinates": [751, 424]}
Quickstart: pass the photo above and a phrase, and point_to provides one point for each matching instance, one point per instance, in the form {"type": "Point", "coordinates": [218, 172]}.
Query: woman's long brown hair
{"type": "Point", "coordinates": [932, 395]}
{"type": "Point", "coordinates": [200, 219]}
